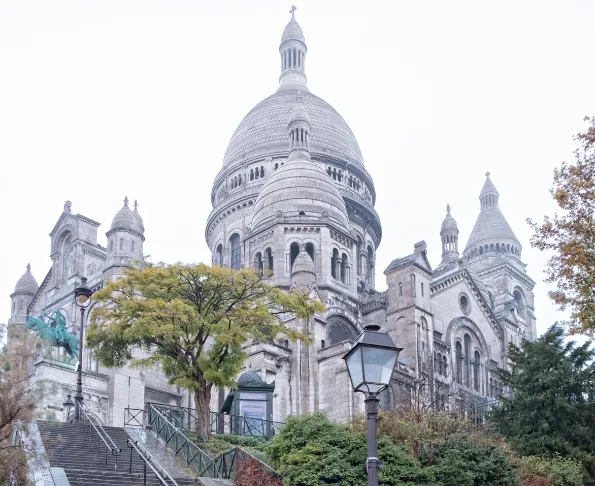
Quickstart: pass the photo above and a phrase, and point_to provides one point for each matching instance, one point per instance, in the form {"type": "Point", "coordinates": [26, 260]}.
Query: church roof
{"type": "Point", "coordinates": [293, 31]}
{"type": "Point", "coordinates": [126, 219]}
{"type": "Point", "coordinates": [263, 131]}
{"type": "Point", "coordinates": [491, 225]}
{"type": "Point", "coordinates": [27, 283]}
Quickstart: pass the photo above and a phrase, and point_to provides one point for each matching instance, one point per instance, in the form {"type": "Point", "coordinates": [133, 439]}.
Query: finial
{"type": "Point", "coordinates": [126, 201]}
{"type": "Point", "coordinates": [135, 205]}
{"type": "Point", "coordinates": [488, 173]}
{"type": "Point", "coordinates": [448, 209]}
{"type": "Point", "coordinates": [28, 267]}
{"type": "Point", "coordinates": [293, 9]}
{"type": "Point", "coordinates": [299, 97]}
{"type": "Point", "coordinates": [67, 206]}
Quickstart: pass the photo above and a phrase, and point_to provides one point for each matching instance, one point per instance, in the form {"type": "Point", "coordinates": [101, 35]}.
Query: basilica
{"type": "Point", "coordinates": [294, 201]}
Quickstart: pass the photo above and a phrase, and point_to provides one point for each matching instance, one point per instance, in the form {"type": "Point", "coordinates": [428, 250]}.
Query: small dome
{"type": "Point", "coordinates": [293, 31]}
{"type": "Point", "coordinates": [125, 219]}
{"type": "Point", "coordinates": [138, 218]}
{"type": "Point", "coordinates": [302, 189]}
{"type": "Point", "coordinates": [303, 263]}
{"type": "Point", "coordinates": [249, 378]}
{"type": "Point", "coordinates": [27, 283]}
{"type": "Point", "coordinates": [449, 224]}
{"type": "Point", "coordinates": [299, 112]}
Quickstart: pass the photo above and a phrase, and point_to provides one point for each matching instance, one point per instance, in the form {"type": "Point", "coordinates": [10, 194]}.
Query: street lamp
{"type": "Point", "coordinates": [82, 298]}
{"type": "Point", "coordinates": [370, 364]}
{"type": "Point", "coordinates": [68, 404]}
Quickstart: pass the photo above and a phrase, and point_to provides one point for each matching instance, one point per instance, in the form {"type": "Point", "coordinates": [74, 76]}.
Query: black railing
{"type": "Point", "coordinates": [222, 424]}
{"type": "Point", "coordinates": [197, 459]}
{"type": "Point", "coordinates": [109, 445]}
{"type": "Point", "coordinates": [134, 417]}
{"type": "Point", "coordinates": [159, 471]}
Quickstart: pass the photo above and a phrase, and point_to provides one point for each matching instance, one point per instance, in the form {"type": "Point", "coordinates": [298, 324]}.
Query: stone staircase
{"type": "Point", "coordinates": [70, 447]}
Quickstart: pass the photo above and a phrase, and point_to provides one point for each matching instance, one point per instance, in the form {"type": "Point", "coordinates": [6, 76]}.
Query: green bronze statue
{"type": "Point", "coordinates": [55, 332]}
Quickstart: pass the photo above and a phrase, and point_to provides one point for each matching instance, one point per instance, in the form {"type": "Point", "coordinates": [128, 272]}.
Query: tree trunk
{"type": "Point", "coordinates": [202, 399]}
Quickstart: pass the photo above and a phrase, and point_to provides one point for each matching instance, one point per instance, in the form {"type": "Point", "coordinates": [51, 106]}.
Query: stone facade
{"type": "Point", "coordinates": [294, 202]}
{"type": "Point", "coordinates": [76, 253]}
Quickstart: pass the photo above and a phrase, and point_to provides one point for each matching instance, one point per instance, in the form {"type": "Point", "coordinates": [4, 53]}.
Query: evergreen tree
{"type": "Point", "coordinates": [552, 410]}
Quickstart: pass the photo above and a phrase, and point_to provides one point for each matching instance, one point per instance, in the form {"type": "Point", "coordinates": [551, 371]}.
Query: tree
{"type": "Point", "coordinates": [571, 236]}
{"type": "Point", "coordinates": [194, 320]}
{"type": "Point", "coordinates": [17, 402]}
{"type": "Point", "coordinates": [552, 409]}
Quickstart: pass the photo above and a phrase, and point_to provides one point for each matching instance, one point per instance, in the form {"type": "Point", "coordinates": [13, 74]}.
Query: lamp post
{"type": "Point", "coordinates": [370, 364]}
{"type": "Point", "coordinates": [82, 298]}
{"type": "Point", "coordinates": [68, 404]}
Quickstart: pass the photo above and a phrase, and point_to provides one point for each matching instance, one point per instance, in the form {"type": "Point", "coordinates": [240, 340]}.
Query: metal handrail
{"type": "Point", "coordinates": [113, 448]}
{"type": "Point", "coordinates": [147, 459]}
{"type": "Point", "coordinates": [171, 434]}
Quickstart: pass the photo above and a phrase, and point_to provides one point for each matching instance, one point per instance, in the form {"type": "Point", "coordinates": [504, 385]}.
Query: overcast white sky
{"type": "Point", "coordinates": [105, 99]}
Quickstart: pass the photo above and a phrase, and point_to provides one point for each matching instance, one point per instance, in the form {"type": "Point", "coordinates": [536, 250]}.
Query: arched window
{"type": "Point", "coordinates": [256, 173]}
{"type": "Point", "coordinates": [258, 266]}
{"type": "Point", "coordinates": [491, 392]}
{"type": "Point", "coordinates": [239, 180]}
{"type": "Point", "coordinates": [276, 165]}
{"type": "Point", "coordinates": [476, 376]}
{"type": "Point", "coordinates": [439, 364]}
{"type": "Point", "coordinates": [339, 329]}
{"type": "Point", "coordinates": [370, 261]}
{"type": "Point", "coordinates": [344, 272]}
{"type": "Point", "coordinates": [459, 362]}
{"type": "Point", "coordinates": [422, 289]}
{"type": "Point", "coordinates": [294, 250]}
{"type": "Point", "coordinates": [519, 302]}
{"type": "Point", "coordinates": [121, 243]}
{"type": "Point", "coordinates": [132, 247]}
{"type": "Point", "coordinates": [219, 255]}
{"type": "Point", "coordinates": [322, 343]}
{"type": "Point", "coordinates": [358, 255]}
{"type": "Point", "coordinates": [268, 256]}
{"type": "Point", "coordinates": [310, 250]}
{"type": "Point", "coordinates": [444, 365]}
{"type": "Point", "coordinates": [251, 174]}
{"type": "Point", "coordinates": [467, 350]}
{"type": "Point", "coordinates": [261, 171]}
{"type": "Point", "coordinates": [236, 252]}
{"type": "Point", "coordinates": [400, 289]}
{"type": "Point", "coordinates": [334, 260]}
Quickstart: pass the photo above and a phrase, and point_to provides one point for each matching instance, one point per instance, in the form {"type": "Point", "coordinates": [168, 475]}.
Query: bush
{"type": "Point", "coordinates": [534, 471]}
{"type": "Point", "coordinates": [312, 451]}
{"type": "Point", "coordinates": [464, 463]}
{"type": "Point", "coordinates": [249, 473]}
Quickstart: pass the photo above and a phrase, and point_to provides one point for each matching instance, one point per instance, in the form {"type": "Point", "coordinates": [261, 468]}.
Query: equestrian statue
{"type": "Point", "coordinates": [55, 332]}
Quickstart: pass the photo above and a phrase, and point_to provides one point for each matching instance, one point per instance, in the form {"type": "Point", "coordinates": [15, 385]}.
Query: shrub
{"type": "Point", "coordinates": [249, 472]}
{"type": "Point", "coordinates": [461, 462]}
{"type": "Point", "coordinates": [312, 451]}
{"type": "Point", "coordinates": [555, 472]}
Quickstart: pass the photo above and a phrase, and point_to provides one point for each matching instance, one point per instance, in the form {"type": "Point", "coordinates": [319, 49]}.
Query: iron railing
{"type": "Point", "coordinates": [134, 417]}
{"type": "Point", "coordinates": [159, 471]}
{"type": "Point", "coordinates": [222, 424]}
{"type": "Point", "coordinates": [109, 444]}
{"type": "Point", "coordinates": [195, 457]}
{"type": "Point", "coordinates": [241, 425]}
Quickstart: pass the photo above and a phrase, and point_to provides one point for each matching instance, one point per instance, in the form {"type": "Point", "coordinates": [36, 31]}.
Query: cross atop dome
{"type": "Point", "coordinates": [292, 11]}
{"type": "Point", "coordinates": [448, 209]}
{"type": "Point", "coordinates": [126, 201]}
{"type": "Point", "coordinates": [488, 173]}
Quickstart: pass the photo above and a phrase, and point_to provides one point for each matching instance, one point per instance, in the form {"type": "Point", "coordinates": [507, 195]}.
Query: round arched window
{"type": "Point", "coordinates": [465, 304]}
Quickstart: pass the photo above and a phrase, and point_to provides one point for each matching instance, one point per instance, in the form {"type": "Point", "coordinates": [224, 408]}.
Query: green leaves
{"type": "Point", "coordinates": [571, 236]}
{"type": "Point", "coordinates": [193, 320]}
{"type": "Point", "coordinates": [552, 410]}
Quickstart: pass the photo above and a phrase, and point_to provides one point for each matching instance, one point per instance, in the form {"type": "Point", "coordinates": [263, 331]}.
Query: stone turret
{"type": "Point", "coordinates": [293, 56]}
{"type": "Point", "coordinates": [449, 234]}
{"type": "Point", "coordinates": [125, 237]}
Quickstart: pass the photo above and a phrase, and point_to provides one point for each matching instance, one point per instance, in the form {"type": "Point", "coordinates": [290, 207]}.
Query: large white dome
{"type": "Point", "coordinates": [263, 131]}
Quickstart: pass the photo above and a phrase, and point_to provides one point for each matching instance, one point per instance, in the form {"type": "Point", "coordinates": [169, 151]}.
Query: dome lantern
{"type": "Point", "coordinates": [449, 234]}
{"type": "Point", "coordinates": [293, 55]}
{"type": "Point", "coordinates": [298, 130]}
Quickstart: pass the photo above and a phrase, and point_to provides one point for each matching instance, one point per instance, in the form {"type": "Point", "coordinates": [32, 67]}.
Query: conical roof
{"type": "Point", "coordinates": [491, 225]}
{"type": "Point", "coordinates": [292, 30]}
{"type": "Point", "coordinates": [303, 263]}
{"type": "Point", "coordinates": [27, 283]}
{"type": "Point", "coordinates": [126, 219]}
{"type": "Point", "coordinates": [449, 224]}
